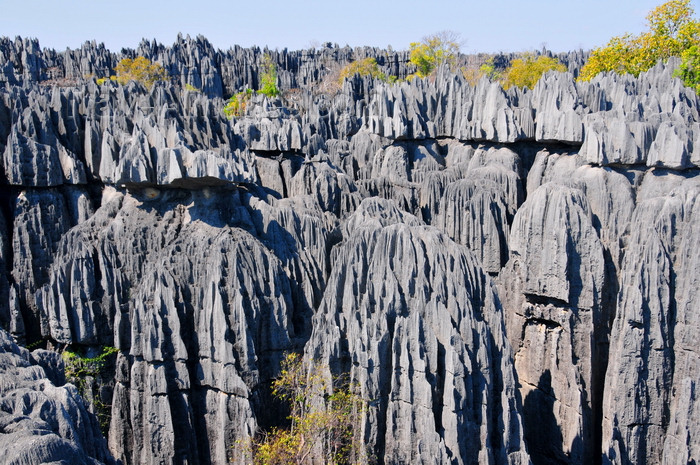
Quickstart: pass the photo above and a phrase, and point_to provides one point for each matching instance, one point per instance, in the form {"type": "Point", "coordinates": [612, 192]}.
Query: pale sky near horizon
{"type": "Point", "coordinates": [484, 26]}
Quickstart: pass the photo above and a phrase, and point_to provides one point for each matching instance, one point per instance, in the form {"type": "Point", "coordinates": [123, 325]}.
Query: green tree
{"type": "Point", "coordinates": [526, 71]}
{"type": "Point", "coordinates": [433, 51]}
{"type": "Point", "coordinates": [672, 31]}
{"type": "Point", "coordinates": [268, 78]}
{"type": "Point", "coordinates": [490, 70]}
{"type": "Point", "coordinates": [689, 71]}
{"type": "Point", "coordinates": [365, 67]}
{"type": "Point", "coordinates": [320, 423]}
{"type": "Point", "coordinates": [140, 69]}
{"type": "Point", "coordinates": [236, 105]}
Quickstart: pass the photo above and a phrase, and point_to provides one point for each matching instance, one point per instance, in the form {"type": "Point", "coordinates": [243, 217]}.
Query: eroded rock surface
{"type": "Point", "coordinates": [40, 421]}
{"type": "Point", "coordinates": [418, 326]}
{"type": "Point", "coordinates": [510, 276]}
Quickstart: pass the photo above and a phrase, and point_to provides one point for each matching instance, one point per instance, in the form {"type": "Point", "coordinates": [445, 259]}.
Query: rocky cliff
{"type": "Point", "coordinates": [509, 276]}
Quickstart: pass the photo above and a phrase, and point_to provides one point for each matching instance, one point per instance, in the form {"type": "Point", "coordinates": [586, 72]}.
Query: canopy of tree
{"type": "Point", "coordinates": [672, 31]}
{"type": "Point", "coordinates": [140, 69]}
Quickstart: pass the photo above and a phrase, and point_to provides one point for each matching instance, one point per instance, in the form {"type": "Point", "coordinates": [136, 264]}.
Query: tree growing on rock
{"type": "Point", "coordinates": [526, 71]}
{"type": "Point", "coordinates": [689, 70]}
{"type": "Point", "coordinates": [434, 51]}
{"type": "Point", "coordinates": [365, 67]}
{"type": "Point", "coordinates": [236, 105]}
{"type": "Point", "coordinates": [672, 31]}
{"type": "Point", "coordinates": [322, 427]}
{"type": "Point", "coordinates": [268, 78]}
{"type": "Point", "coordinates": [140, 69]}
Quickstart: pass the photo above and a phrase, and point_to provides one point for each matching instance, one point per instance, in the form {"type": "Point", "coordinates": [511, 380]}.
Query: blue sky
{"type": "Point", "coordinates": [484, 26]}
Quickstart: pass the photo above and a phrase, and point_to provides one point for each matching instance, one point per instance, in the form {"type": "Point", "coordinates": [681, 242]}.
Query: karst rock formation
{"type": "Point", "coordinates": [510, 277]}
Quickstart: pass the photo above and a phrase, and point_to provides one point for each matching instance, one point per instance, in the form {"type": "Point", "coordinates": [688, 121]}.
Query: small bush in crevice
{"type": "Point", "coordinates": [268, 78]}
{"type": "Point", "coordinates": [84, 372]}
{"type": "Point", "coordinates": [236, 105]}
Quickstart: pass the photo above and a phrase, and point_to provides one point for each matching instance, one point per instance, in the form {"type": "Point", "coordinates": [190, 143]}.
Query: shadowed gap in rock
{"type": "Point", "coordinates": [542, 433]}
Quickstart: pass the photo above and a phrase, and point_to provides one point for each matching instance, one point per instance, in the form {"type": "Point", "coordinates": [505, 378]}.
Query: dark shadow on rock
{"type": "Point", "coordinates": [542, 433]}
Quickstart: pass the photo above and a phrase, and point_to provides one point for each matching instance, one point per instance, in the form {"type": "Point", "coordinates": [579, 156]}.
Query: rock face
{"type": "Point", "coordinates": [43, 420]}
{"type": "Point", "coordinates": [418, 326]}
{"type": "Point", "coordinates": [509, 276]}
{"type": "Point", "coordinates": [653, 329]}
{"type": "Point", "coordinates": [556, 272]}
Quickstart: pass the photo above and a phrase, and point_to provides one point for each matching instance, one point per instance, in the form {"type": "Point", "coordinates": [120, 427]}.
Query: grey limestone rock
{"type": "Point", "coordinates": [629, 116]}
{"type": "Point", "coordinates": [683, 426]}
{"type": "Point", "coordinates": [269, 127]}
{"type": "Point", "coordinates": [39, 162]}
{"type": "Point", "coordinates": [433, 189]}
{"type": "Point", "coordinates": [41, 422]}
{"type": "Point", "coordinates": [25, 58]}
{"type": "Point", "coordinates": [34, 154]}
{"type": "Point", "coordinates": [358, 221]}
{"type": "Point", "coordinates": [611, 139]}
{"type": "Point", "coordinates": [495, 116]}
{"type": "Point", "coordinates": [558, 108]}
{"type": "Point", "coordinates": [474, 203]}
{"type": "Point", "coordinates": [473, 213]}
{"type": "Point", "coordinates": [420, 109]}
{"type": "Point", "coordinates": [90, 59]}
{"type": "Point", "coordinates": [410, 317]}
{"type": "Point", "coordinates": [399, 112]}
{"type": "Point", "coordinates": [552, 288]}
{"type": "Point", "coordinates": [189, 320]}
{"type": "Point", "coordinates": [5, 314]}
{"type": "Point", "coordinates": [556, 266]}
{"type": "Point", "coordinates": [392, 163]}
{"type": "Point", "coordinates": [41, 217]}
{"type": "Point", "coordinates": [642, 422]}
{"type": "Point", "coordinates": [328, 186]}
{"type": "Point", "coordinates": [297, 231]}
{"type": "Point", "coordinates": [610, 194]}
{"type": "Point", "coordinates": [674, 146]}
{"type": "Point", "coordinates": [457, 152]}
{"type": "Point", "coordinates": [53, 365]}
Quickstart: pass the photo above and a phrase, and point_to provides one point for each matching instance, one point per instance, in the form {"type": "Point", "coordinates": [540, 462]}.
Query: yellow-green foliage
{"type": "Point", "coordinates": [101, 81]}
{"type": "Point", "coordinates": [435, 50]}
{"type": "Point", "coordinates": [235, 106]}
{"type": "Point", "coordinates": [689, 71]}
{"type": "Point", "coordinates": [320, 423]}
{"type": "Point", "coordinates": [672, 31]}
{"type": "Point", "coordinates": [140, 69]}
{"type": "Point", "coordinates": [191, 88]}
{"type": "Point", "coordinates": [365, 67]}
{"type": "Point", "coordinates": [489, 70]}
{"type": "Point", "coordinates": [78, 367]}
{"type": "Point", "coordinates": [472, 74]}
{"type": "Point", "coordinates": [526, 71]}
{"type": "Point", "coordinates": [81, 371]}
{"type": "Point", "coordinates": [268, 78]}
